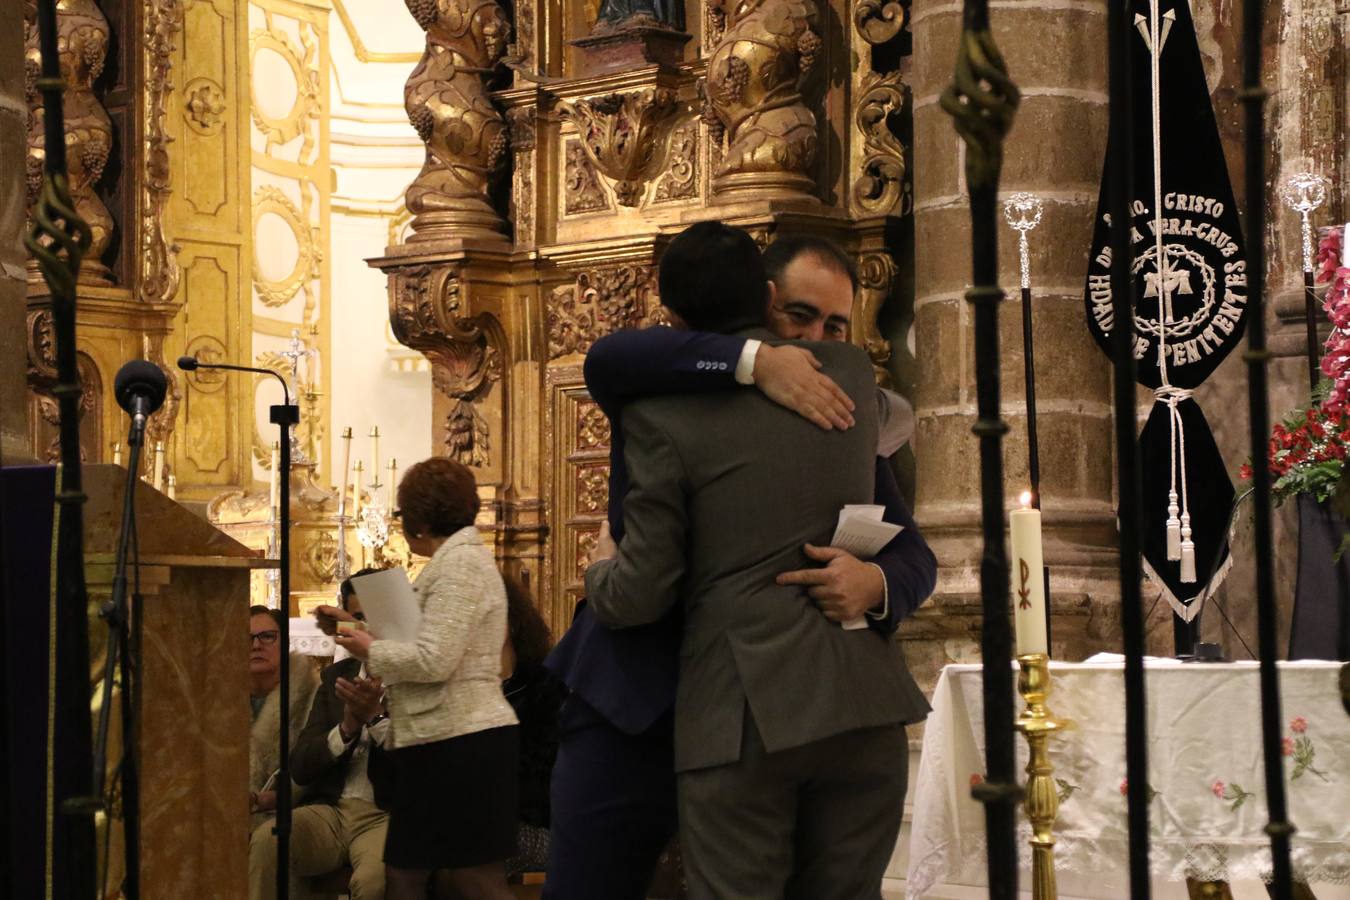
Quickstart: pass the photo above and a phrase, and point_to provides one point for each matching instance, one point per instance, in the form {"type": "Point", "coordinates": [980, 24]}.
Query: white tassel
{"type": "Point", "coordinates": [1187, 551]}
{"type": "Point", "coordinates": [1173, 528]}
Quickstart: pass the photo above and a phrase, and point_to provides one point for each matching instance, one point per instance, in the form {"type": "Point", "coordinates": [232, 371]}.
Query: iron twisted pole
{"type": "Point", "coordinates": [1253, 99]}
{"type": "Point", "coordinates": [982, 101]}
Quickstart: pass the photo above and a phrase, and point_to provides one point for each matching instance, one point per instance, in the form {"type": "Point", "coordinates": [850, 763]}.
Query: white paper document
{"type": "Point", "coordinates": [862, 532]}
{"type": "Point", "coordinates": [390, 604]}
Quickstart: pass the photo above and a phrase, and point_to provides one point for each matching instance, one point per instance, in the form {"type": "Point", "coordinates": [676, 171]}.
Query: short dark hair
{"type": "Point", "coordinates": [525, 627]}
{"type": "Point", "coordinates": [437, 496]}
{"type": "Point", "coordinates": [712, 277]}
{"type": "Point", "coordinates": [346, 589]}
{"type": "Point", "coordinates": [785, 250]}
{"type": "Point", "coordinates": [275, 614]}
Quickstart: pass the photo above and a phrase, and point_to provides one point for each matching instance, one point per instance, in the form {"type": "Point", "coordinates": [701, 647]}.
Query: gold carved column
{"type": "Point", "coordinates": [617, 136]}
{"type": "Point", "coordinates": [128, 282]}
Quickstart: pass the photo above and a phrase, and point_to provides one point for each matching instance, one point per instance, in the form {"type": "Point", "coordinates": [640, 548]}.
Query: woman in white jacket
{"type": "Point", "coordinates": [453, 810]}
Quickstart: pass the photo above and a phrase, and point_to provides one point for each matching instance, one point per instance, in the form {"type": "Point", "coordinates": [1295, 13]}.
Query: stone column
{"type": "Point", "coordinates": [1058, 59]}
{"type": "Point", "coordinates": [14, 431]}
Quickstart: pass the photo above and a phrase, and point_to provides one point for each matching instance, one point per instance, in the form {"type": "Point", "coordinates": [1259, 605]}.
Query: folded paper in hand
{"type": "Point", "coordinates": [390, 605]}
{"type": "Point", "coordinates": [862, 532]}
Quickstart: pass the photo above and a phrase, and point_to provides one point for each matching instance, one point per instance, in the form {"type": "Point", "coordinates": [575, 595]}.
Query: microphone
{"type": "Point", "coordinates": [140, 387]}
{"type": "Point", "coordinates": [192, 364]}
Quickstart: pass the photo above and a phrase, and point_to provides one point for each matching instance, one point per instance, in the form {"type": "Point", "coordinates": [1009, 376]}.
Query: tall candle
{"type": "Point", "coordinates": [159, 465]}
{"type": "Point", "coordinates": [375, 454]}
{"type": "Point", "coordinates": [117, 454]}
{"type": "Point", "coordinates": [393, 476]}
{"type": "Point", "coordinates": [346, 469]}
{"type": "Point", "coordinates": [357, 471]}
{"type": "Point", "coordinates": [275, 500]}
{"type": "Point", "coordinates": [1028, 579]}
{"type": "Point", "coordinates": [173, 488]}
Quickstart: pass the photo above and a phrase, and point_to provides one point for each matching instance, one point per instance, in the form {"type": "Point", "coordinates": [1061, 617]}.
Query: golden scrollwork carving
{"type": "Point", "coordinates": [623, 134]}
{"type": "Point", "coordinates": [593, 429]}
{"type": "Point", "coordinates": [680, 181]}
{"type": "Point", "coordinates": [270, 200]}
{"type": "Point", "coordinates": [448, 104]}
{"type": "Point", "coordinates": [753, 96]}
{"type": "Point", "coordinates": [582, 191]}
{"type": "Point", "coordinates": [429, 313]}
{"type": "Point", "coordinates": [600, 301]}
{"type": "Point", "coordinates": [521, 124]}
{"type": "Point", "coordinates": [304, 69]}
{"type": "Point", "coordinates": [321, 557]}
{"type": "Point", "coordinates": [880, 186]}
{"type": "Point", "coordinates": [876, 276]}
{"type": "Point", "coordinates": [592, 488]}
{"type": "Point", "coordinates": [879, 21]}
{"type": "Point", "coordinates": [159, 264]}
{"type": "Point", "coordinates": [82, 39]}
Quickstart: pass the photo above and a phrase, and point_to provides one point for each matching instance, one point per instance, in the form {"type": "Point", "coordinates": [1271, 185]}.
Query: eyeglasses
{"type": "Point", "coordinates": [266, 638]}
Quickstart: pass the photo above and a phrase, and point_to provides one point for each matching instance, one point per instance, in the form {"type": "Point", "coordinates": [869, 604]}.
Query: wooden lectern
{"type": "Point", "coordinates": [194, 727]}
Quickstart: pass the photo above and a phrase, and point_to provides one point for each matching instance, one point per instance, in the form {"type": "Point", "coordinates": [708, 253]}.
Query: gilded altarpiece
{"type": "Point", "coordinates": [592, 145]}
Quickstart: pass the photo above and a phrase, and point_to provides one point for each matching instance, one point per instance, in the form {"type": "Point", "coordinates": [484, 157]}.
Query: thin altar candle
{"type": "Point", "coordinates": [393, 476]}
{"type": "Point", "coordinates": [346, 470]}
{"type": "Point", "coordinates": [1028, 579]}
{"type": "Point", "coordinates": [375, 454]}
{"type": "Point", "coordinates": [173, 487]}
{"type": "Point", "coordinates": [159, 466]}
{"type": "Point", "coordinates": [117, 454]}
{"type": "Point", "coordinates": [357, 471]}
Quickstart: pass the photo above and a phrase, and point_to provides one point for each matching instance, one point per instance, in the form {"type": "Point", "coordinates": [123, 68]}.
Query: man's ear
{"type": "Point", "coordinates": [772, 298]}
{"type": "Point", "coordinates": [676, 321]}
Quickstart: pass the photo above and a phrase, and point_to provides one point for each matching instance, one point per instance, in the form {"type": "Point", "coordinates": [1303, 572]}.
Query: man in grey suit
{"type": "Point", "coordinates": [789, 740]}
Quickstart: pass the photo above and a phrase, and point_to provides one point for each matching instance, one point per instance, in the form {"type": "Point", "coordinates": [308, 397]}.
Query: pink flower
{"type": "Point", "coordinates": [1124, 786]}
{"type": "Point", "coordinates": [1298, 725]}
{"type": "Point", "coordinates": [976, 779]}
{"type": "Point", "coordinates": [1287, 746]}
{"type": "Point", "coordinates": [1218, 787]}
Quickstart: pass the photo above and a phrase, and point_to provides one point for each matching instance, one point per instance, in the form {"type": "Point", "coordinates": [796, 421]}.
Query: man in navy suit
{"type": "Point", "coordinates": [614, 782]}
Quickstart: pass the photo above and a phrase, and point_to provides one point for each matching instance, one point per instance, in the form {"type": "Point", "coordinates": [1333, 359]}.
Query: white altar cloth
{"type": "Point", "coordinates": [1205, 773]}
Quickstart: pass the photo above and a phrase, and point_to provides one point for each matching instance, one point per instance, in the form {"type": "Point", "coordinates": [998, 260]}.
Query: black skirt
{"type": "Point", "coordinates": [455, 803]}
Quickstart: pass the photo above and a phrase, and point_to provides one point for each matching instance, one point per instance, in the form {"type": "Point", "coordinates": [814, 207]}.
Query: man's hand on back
{"type": "Point", "coordinates": [845, 588]}
{"type": "Point", "coordinates": [791, 377]}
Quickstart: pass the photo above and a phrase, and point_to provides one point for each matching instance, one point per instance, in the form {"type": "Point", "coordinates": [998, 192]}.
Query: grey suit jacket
{"type": "Point", "coordinates": [725, 489]}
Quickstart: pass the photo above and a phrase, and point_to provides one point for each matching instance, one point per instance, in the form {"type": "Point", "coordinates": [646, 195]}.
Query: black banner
{"type": "Point", "coordinates": [1190, 311]}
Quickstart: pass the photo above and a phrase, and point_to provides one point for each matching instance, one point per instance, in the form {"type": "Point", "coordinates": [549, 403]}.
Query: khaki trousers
{"type": "Point", "coordinates": [323, 838]}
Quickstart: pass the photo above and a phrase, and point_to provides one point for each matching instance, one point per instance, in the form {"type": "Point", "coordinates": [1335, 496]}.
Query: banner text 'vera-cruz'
{"type": "Point", "coordinates": [1224, 320]}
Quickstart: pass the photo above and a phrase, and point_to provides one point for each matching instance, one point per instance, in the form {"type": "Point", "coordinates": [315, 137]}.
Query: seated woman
{"type": "Point", "coordinates": [536, 696]}
{"type": "Point", "coordinates": [454, 798]}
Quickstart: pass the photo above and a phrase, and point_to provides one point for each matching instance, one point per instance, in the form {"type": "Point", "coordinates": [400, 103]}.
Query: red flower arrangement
{"type": "Point", "coordinates": [1307, 450]}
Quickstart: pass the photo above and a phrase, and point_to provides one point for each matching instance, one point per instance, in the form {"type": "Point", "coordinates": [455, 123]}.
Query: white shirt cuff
{"type": "Point", "coordinates": [885, 598]}
{"type": "Point", "coordinates": [336, 745]}
{"type": "Point", "coordinates": [745, 366]}
{"type": "Point", "coordinates": [379, 732]}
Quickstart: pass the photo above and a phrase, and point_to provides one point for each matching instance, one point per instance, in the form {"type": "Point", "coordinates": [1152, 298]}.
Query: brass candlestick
{"type": "Point", "coordinates": [1041, 798]}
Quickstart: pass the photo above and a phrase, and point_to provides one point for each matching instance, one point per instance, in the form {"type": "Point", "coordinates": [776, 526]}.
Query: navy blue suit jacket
{"type": "Point", "coordinates": [629, 676]}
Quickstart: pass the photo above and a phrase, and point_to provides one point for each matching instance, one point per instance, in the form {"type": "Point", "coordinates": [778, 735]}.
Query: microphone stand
{"type": "Point", "coordinates": [285, 416]}
{"type": "Point", "coordinates": [119, 619]}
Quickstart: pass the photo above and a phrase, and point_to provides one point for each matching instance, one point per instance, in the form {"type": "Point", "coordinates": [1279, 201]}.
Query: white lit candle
{"type": "Point", "coordinates": [117, 454]}
{"type": "Point", "coordinates": [275, 500]}
{"type": "Point", "coordinates": [393, 476]}
{"type": "Point", "coordinates": [173, 487]}
{"type": "Point", "coordinates": [346, 469]}
{"type": "Point", "coordinates": [1028, 578]}
{"type": "Point", "coordinates": [357, 471]}
{"type": "Point", "coordinates": [159, 465]}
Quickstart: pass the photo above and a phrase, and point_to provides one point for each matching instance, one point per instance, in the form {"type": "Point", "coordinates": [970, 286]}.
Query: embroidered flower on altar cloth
{"type": "Point", "coordinates": [1149, 792]}
{"type": "Point", "coordinates": [1232, 792]}
{"type": "Point", "coordinates": [1302, 750]}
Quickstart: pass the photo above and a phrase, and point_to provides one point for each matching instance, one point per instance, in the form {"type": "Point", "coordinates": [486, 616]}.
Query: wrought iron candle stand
{"type": "Point", "coordinates": [982, 101]}
{"type": "Point", "coordinates": [1041, 799]}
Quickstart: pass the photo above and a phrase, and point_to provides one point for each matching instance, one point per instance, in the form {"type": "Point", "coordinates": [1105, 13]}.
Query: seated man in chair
{"type": "Point", "coordinates": [337, 758]}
